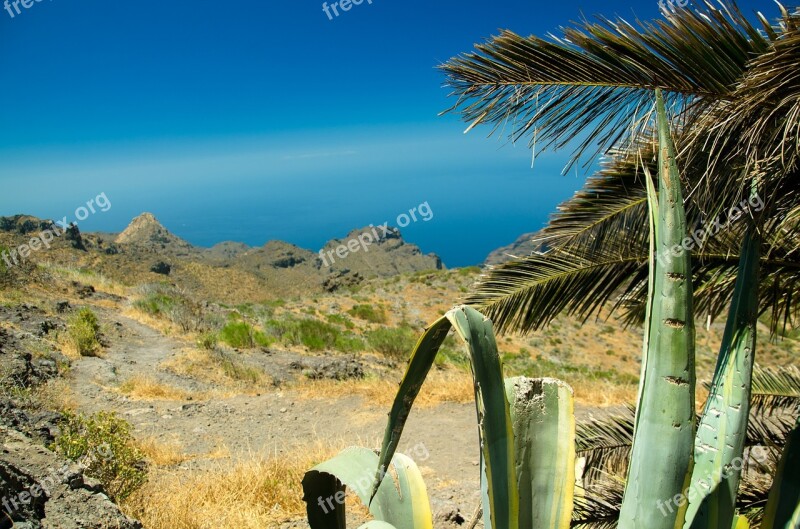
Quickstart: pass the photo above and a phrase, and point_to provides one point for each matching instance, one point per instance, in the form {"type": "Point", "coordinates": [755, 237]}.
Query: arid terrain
{"type": "Point", "coordinates": [233, 389]}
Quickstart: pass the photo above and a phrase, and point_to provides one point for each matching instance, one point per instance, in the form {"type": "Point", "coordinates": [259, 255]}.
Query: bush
{"type": "Point", "coordinates": [314, 334]}
{"type": "Point", "coordinates": [173, 305]}
{"type": "Point", "coordinates": [242, 335]}
{"type": "Point", "coordinates": [83, 330]}
{"type": "Point", "coordinates": [338, 319]}
{"type": "Point", "coordinates": [207, 341]}
{"type": "Point", "coordinates": [102, 442]}
{"type": "Point", "coordinates": [4, 251]}
{"type": "Point", "coordinates": [394, 343]}
{"type": "Point", "coordinates": [368, 313]}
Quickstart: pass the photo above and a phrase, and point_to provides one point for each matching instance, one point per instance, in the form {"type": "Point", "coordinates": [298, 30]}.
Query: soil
{"type": "Point", "coordinates": [276, 420]}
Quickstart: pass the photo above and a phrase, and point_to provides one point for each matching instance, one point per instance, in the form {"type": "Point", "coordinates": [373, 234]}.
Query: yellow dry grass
{"type": "Point", "coordinates": [162, 453]}
{"type": "Point", "coordinates": [226, 371]}
{"type": "Point", "coordinates": [251, 494]}
{"type": "Point", "coordinates": [86, 276]}
{"type": "Point", "coordinates": [147, 388]}
{"type": "Point", "coordinates": [440, 387]}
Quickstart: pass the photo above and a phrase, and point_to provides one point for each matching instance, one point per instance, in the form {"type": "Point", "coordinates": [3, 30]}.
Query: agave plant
{"type": "Point", "coordinates": [527, 429]}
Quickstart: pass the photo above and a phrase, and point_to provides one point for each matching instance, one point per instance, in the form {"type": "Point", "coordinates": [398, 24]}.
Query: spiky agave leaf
{"type": "Point", "coordinates": [665, 418]}
{"type": "Point", "coordinates": [723, 427]}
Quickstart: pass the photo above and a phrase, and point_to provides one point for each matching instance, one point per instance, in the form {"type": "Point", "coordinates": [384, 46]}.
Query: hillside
{"type": "Point", "coordinates": [238, 368]}
{"type": "Point", "coordinates": [229, 272]}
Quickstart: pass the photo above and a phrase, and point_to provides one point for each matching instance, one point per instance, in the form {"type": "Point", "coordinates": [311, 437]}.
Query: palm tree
{"type": "Point", "coordinates": [735, 95]}
{"type": "Point", "coordinates": [735, 92]}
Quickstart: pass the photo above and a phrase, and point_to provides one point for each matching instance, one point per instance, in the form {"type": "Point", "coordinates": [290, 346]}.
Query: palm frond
{"type": "Point", "coordinates": [605, 443]}
{"type": "Point", "coordinates": [775, 390]}
{"type": "Point", "coordinates": [526, 295]}
{"type": "Point", "coordinates": [596, 80]}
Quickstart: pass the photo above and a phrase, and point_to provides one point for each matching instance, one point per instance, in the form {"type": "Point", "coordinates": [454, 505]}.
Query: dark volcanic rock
{"type": "Point", "coordinates": [45, 491]}
{"type": "Point", "coordinates": [161, 268]}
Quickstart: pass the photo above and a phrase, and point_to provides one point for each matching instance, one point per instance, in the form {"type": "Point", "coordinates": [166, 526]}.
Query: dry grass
{"type": "Point", "coordinates": [252, 494]}
{"type": "Point", "coordinates": [602, 393]}
{"type": "Point", "coordinates": [147, 388]}
{"type": "Point", "coordinates": [440, 387]}
{"type": "Point", "coordinates": [163, 453]}
{"type": "Point", "coordinates": [165, 327]}
{"type": "Point", "coordinates": [85, 276]}
{"type": "Point", "coordinates": [221, 369]}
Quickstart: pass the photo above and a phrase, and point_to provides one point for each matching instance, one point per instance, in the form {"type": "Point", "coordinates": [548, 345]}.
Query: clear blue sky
{"type": "Point", "coordinates": [253, 120]}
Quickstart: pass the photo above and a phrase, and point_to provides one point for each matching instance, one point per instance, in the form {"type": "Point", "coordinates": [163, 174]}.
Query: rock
{"type": "Point", "coordinates": [73, 235]}
{"type": "Point", "coordinates": [83, 291]}
{"type": "Point", "coordinates": [58, 495]}
{"type": "Point", "coordinates": [62, 307]}
{"type": "Point", "coordinates": [335, 370]}
{"type": "Point", "coordinates": [161, 268]}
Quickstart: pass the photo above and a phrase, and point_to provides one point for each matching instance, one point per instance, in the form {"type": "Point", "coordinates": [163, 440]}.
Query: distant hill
{"type": "Point", "coordinates": [230, 272]}
{"type": "Point", "coordinates": [524, 246]}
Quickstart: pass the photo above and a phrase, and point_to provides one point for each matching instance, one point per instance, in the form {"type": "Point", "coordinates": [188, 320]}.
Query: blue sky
{"type": "Point", "coordinates": [250, 120]}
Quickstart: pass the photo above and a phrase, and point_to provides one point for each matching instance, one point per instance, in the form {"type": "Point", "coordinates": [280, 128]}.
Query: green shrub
{"type": "Point", "coordinates": [349, 343]}
{"type": "Point", "coordinates": [314, 334]}
{"type": "Point", "coordinates": [103, 443]}
{"type": "Point", "coordinates": [368, 313]}
{"type": "Point", "coordinates": [242, 335]}
{"type": "Point", "coordinates": [83, 331]}
{"type": "Point", "coordinates": [155, 304]}
{"type": "Point", "coordinates": [208, 341]}
{"type": "Point", "coordinates": [4, 251]}
{"type": "Point", "coordinates": [173, 305]}
{"type": "Point", "coordinates": [338, 319]}
{"type": "Point", "coordinates": [395, 343]}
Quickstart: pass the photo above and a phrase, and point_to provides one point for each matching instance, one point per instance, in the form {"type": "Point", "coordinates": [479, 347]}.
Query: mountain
{"type": "Point", "coordinates": [230, 272]}
{"type": "Point", "coordinates": [525, 245]}
{"type": "Point", "coordinates": [147, 232]}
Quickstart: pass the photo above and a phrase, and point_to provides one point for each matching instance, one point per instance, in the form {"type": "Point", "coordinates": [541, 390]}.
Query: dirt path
{"type": "Point", "coordinates": [443, 439]}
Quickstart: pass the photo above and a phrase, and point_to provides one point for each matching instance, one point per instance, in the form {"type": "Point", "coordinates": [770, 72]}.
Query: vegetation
{"type": "Point", "coordinates": [174, 306]}
{"type": "Point", "coordinates": [394, 343]}
{"type": "Point", "coordinates": [242, 335]}
{"type": "Point", "coordinates": [733, 87]}
{"type": "Point", "coordinates": [103, 443]}
{"type": "Point", "coordinates": [315, 335]}
{"type": "Point", "coordinates": [4, 271]}
{"type": "Point", "coordinates": [83, 332]}
{"type": "Point", "coordinates": [369, 313]}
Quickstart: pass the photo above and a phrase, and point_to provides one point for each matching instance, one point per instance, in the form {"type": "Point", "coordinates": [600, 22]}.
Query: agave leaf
{"type": "Point", "coordinates": [376, 524]}
{"type": "Point", "coordinates": [661, 457]}
{"type": "Point", "coordinates": [542, 411]}
{"type": "Point", "coordinates": [494, 419]}
{"type": "Point", "coordinates": [740, 522]}
{"type": "Point", "coordinates": [402, 504]}
{"type": "Point", "coordinates": [722, 431]}
{"type": "Point", "coordinates": [783, 506]}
